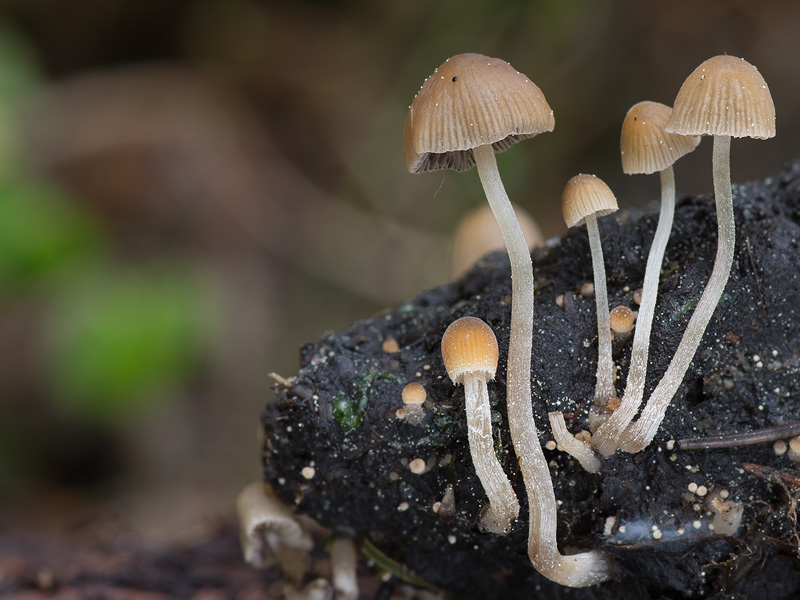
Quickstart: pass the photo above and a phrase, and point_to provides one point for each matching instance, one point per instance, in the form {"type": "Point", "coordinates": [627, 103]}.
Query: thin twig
{"type": "Point", "coordinates": [740, 439]}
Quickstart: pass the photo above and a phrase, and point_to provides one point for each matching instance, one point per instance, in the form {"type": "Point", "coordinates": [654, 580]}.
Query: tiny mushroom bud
{"type": "Point", "coordinates": [470, 354]}
{"type": "Point", "coordinates": [621, 319]}
{"type": "Point", "coordinates": [725, 97]}
{"type": "Point", "coordinates": [414, 397]}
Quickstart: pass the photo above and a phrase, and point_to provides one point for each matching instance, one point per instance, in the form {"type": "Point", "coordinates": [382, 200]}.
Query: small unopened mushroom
{"type": "Point", "coordinates": [477, 234]}
{"type": "Point", "coordinates": [270, 532]}
{"type": "Point", "coordinates": [621, 319]}
{"type": "Point", "coordinates": [725, 97]}
{"type": "Point", "coordinates": [585, 198]}
{"type": "Point", "coordinates": [470, 354]}
{"type": "Point", "coordinates": [414, 397]}
{"type": "Point", "coordinates": [727, 514]}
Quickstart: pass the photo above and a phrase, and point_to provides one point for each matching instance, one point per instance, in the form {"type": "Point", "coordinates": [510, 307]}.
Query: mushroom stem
{"type": "Point", "coordinates": [604, 388]}
{"type": "Point", "coordinates": [607, 435]}
{"type": "Point", "coordinates": [579, 570]}
{"type": "Point", "coordinates": [639, 434]}
{"type": "Point", "coordinates": [582, 451]}
{"type": "Point", "coordinates": [503, 504]}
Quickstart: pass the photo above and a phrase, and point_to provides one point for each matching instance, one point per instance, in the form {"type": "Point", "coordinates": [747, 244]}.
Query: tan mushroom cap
{"type": "Point", "coordinates": [725, 95]}
{"type": "Point", "coordinates": [469, 346]}
{"type": "Point", "coordinates": [471, 100]}
{"type": "Point", "coordinates": [414, 393]}
{"type": "Point", "coordinates": [645, 146]}
{"type": "Point", "coordinates": [584, 196]}
{"type": "Point", "coordinates": [621, 319]}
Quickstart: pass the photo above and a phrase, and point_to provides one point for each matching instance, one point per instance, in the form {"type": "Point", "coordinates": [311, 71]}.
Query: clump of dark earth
{"type": "Point", "coordinates": [338, 415]}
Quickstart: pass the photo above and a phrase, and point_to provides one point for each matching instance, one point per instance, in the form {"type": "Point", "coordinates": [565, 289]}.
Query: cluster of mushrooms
{"type": "Point", "coordinates": [473, 106]}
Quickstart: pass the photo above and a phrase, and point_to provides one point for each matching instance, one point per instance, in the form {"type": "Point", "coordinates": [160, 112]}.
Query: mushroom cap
{"type": "Point", "coordinates": [414, 393]}
{"type": "Point", "coordinates": [621, 319]}
{"type": "Point", "coordinates": [469, 347]}
{"type": "Point", "coordinates": [471, 100]}
{"type": "Point", "coordinates": [645, 146]}
{"type": "Point", "coordinates": [585, 196]}
{"type": "Point", "coordinates": [725, 95]}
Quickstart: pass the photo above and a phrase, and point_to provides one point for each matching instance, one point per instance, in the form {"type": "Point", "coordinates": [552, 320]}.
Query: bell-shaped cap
{"type": "Point", "coordinates": [724, 96]}
{"type": "Point", "coordinates": [645, 146]}
{"type": "Point", "coordinates": [469, 347]}
{"type": "Point", "coordinates": [471, 100]}
{"type": "Point", "coordinates": [585, 196]}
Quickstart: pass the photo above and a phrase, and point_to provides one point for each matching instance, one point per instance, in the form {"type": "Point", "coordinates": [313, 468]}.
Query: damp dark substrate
{"type": "Point", "coordinates": [338, 416]}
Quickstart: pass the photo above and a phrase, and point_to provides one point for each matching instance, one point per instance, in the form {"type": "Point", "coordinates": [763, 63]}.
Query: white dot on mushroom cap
{"type": "Point", "coordinates": [417, 466]}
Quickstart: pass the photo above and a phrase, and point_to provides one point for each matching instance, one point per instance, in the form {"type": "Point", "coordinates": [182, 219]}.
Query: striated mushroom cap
{"type": "Point", "coordinates": [469, 347]}
{"type": "Point", "coordinates": [585, 196]}
{"type": "Point", "coordinates": [471, 100]}
{"type": "Point", "coordinates": [645, 145]}
{"type": "Point", "coordinates": [725, 95]}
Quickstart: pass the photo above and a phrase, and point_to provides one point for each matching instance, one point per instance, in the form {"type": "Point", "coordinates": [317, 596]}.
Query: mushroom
{"type": "Point", "coordinates": [269, 531]}
{"type": "Point", "coordinates": [470, 354]}
{"type": "Point", "coordinates": [725, 97]}
{"type": "Point", "coordinates": [471, 107]}
{"type": "Point", "coordinates": [480, 103]}
{"type": "Point", "coordinates": [646, 148]}
{"type": "Point", "coordinates": [621, 319]}
{"type": "Point", "coordinates": [585, 198]}
{"type": "Point", "coordinates": [414, 397]}
{"type": "Point", "coordinates": [477, 234]}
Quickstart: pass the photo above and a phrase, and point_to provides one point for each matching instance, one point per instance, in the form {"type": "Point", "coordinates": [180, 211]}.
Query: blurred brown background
{"type": "Point", "coordinates": [190, 190]}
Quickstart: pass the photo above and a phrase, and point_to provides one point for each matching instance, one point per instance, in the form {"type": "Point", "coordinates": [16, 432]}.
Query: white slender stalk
{"type": "Point", "coordinates": [639, 434]}
{"type": "Point", "coordinates": [604, 388]}
{"type": "Point", "coordinates": [344, 563]}
{"type": "Point", "coordinates": [607, 435]}
{"type": "Point", "coordinates": [503, 504]}
{"type": "Point", "coordinates": [578, 570]}
{"type": "Point", "coordinates": [582, 451]}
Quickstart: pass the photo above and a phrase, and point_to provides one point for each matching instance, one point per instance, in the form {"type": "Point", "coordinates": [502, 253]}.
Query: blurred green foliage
{"type": "Point", "coordinates": [108, 338]}
{"type": "Point", "coordinates": [120, 338]}
{"type": "Point", "coordinates": [41, 230]}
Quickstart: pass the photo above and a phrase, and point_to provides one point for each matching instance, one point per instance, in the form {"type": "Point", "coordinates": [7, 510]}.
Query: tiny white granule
{"type": "Point", "coordinates": [697, 524]}
{"type": "Point", "coordinates": [693, 487]}
{"type": "Point", "coordinates": [657, 534]}
{"type": "Point", "coordinates": [671, 445]}
{"type": "Point", "coordinates": [621, 529]}
{"type": "Point", "coordinates": [702, 490]}
{"type": "Point", "coordinates": [451, 539]}
{"type": "Point", "coordinates": [780, 447]}
{"type": "Point", "coordinates": [417, 466]}
{"type": "Point", "coordinates": [402, 507]}
{"type": "Point", "coordinates": [550, 445]}
{"type": "Point", "coordinates": [308, 472]}
{"type": "Point", "coordinates": [436, 506]}
{"type": "Point", "coordinates": [724, 494]}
